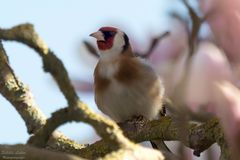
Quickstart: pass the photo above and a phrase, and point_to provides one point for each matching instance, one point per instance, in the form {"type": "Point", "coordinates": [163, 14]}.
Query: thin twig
{"type": "Point", "coordinates": [91, 49]}
{"type": "Point", "coordinates": [196, 24]}
{"type": "Point", "coordinates": [153, 45]}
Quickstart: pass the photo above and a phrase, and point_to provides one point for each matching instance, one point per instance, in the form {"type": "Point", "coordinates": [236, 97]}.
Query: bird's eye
{"type": "Point", "coordinates": [108, 34]}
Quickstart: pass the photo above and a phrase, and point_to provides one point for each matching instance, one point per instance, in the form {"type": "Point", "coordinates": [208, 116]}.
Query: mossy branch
{"type": "Point", "coordinates": [200, 136]}
{"type": "Point", "coordinates": [26, 34]}
{"type": "Point", "coordinates": [21, 98]}
{"type": "Point", "coordinates": [29, 153]}
{"type": "Point", "coordinates": [19, 95]}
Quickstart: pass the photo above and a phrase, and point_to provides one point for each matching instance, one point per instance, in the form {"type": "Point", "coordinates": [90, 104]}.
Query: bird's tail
{"type": "Point", "coordinates": [160, 145]}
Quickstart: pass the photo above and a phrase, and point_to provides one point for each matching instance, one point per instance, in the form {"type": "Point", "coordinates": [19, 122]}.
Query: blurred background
{"type": "Point", "coordinates": [64, 25]}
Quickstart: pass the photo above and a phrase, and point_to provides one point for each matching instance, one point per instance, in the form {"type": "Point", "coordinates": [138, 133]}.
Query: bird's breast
{"type": "Point", "coordinates": [123, 70]}
{"type": "Point", "coordinates": [127, 88]}
{"type": "Point", "coordinates": [103, 74]}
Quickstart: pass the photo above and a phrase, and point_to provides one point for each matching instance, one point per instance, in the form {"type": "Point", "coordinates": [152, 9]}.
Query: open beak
{"type": "Point", "coordinates": [98, 35]}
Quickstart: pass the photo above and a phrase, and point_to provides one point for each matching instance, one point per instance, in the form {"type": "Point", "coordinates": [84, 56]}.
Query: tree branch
{"type": "Point", "coordinates": [26, 34]}
{"type": "Point", "coordinates": [196, 24]}
{"type": "Point", "coordinates": [200, 136]}
{"type": "Point", "coordinates": [21, 98]}
{"type": "Point", "coordinates": [153, 45]}
{"type": "Point", "coordinates": [19, 95]}
{"type": "Point", "coordinates": [28, 153]}
{"type": "Point", "coordinates": [58, 118]}
{"type": "Point", "coordinates": [91, 49]}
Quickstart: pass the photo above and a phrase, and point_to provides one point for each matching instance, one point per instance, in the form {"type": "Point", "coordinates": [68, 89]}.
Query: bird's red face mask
{"type": "Point", "coordinates": [105, 37]}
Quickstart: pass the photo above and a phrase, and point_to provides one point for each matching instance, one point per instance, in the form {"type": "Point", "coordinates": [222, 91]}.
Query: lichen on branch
{"type": "Point", "coordinates": [19, 95]}
{"type": "Point", "coordinates": [21, 98]}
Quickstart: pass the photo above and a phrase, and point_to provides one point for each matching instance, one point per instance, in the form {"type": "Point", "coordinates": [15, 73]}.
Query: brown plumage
{"type": "Point", "coordinates": [100, 83]}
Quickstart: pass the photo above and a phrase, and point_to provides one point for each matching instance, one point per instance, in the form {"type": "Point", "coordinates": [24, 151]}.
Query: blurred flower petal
{"type": "Point", "coordinates": [209, 65]}
{"type": "Point", "coordinates": [168, 58]}
{"type": "Point", "coordinates": [223, 17]}
{"type": "Point", "coordinates": [171, 46]}
{"type": "Point", "coordinates": [228, 110]}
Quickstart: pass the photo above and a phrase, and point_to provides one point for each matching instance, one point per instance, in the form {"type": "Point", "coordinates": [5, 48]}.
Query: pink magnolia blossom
{"type": "Point", "coordinates": [223, 16]}
{"type": "Point", "coordinates": [169, 56]}
{"type": "Point", "coordinates": [227, 99]}
{"type": "Point", "coordinates": [208, 66]}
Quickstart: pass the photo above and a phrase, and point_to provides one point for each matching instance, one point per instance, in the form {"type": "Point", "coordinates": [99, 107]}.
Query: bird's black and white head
{"type": "Point", "coordinates": [111, 41]}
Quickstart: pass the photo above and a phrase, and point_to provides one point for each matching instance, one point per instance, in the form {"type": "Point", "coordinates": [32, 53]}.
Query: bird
{"type": "Point", "coordinates": [125, 85]}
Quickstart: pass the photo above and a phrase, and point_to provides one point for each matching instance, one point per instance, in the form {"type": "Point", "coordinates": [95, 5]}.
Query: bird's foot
{"type": "Point", "coordinates": [137, 119]}
{"type": "Point", "coordinates": [163, 111]}
{"type": "Point", "coordinates": [136, 123]}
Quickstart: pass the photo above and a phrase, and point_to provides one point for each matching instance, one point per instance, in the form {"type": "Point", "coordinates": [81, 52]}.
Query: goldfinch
{"type": "Point", "coordinates": [124, 85]}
